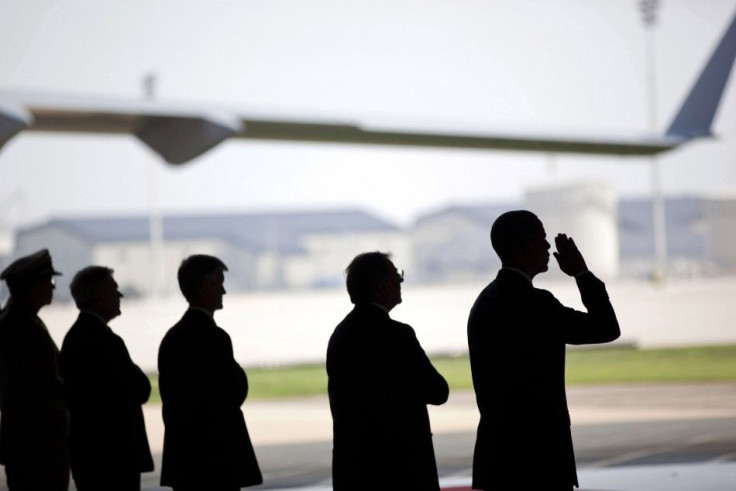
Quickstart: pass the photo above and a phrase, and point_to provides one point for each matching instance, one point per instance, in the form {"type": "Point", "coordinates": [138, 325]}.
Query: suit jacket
{"type": "Point", "coordinates": [206, 442]}
{"type": "Point", "coordinates": [104, 391]}
{"type": "Point", "coordinates": [380, 382]}
{"type": "Point", "coordinates": [517, 336]}
{"type": "Point", "coordinates": [34, 435]}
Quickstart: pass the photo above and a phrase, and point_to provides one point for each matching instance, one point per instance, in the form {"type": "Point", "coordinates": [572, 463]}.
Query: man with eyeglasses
{"type": "Point", "coordinates": [380, 382]}
{"type": "Point", "coordinates": [34, 440]}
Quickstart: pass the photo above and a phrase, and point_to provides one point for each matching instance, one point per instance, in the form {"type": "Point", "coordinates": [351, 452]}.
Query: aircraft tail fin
{"type": "Point", "coordinates": [699, 109]}
{"type": "Point", "coordinates": [13, 119]}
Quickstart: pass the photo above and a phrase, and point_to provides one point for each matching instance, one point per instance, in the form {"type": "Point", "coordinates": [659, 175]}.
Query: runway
{"type": "Point", "coordinates": [623, 432]}
{"type": "Point", "coordinates": [615, 446]}
{"type": "Point", "coordinates": [633, 437]}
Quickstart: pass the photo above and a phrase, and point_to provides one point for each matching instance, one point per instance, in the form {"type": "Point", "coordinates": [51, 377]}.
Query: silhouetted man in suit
{"type": "Point", "coordinates": [517, 336]}
{"type": "Point", "coordinates": [34, 440]}
{"type": "Point", "coordinates": [104, 391]}
{"type": "Point", "coordinates": [206, 442]}
{"type": "Point", "coordinates": [380, 382]}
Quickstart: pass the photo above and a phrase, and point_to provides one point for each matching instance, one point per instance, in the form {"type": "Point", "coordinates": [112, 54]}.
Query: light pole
{"type": "Point", "coordinates": [649, 15]}
{"type": "Point", "coordinates": [155, 218]}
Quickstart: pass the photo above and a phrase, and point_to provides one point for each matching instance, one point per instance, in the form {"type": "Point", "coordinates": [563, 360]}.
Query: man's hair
{"type": "Point", "coordinates": [364, 273]}
{"type": "Point", "coordinates": [512, 231]}
{"type": "Point", "coordinates": [193, 271]}
{"type": "Point", "coordinates": [86, 282]}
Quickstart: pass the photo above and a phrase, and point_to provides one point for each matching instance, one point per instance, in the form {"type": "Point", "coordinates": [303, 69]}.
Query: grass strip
{"type": "Point", "coordinates": [584, 366]}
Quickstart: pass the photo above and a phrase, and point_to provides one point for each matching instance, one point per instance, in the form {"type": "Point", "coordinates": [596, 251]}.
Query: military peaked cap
{"type": "Point", "coordinates": [36, 264]}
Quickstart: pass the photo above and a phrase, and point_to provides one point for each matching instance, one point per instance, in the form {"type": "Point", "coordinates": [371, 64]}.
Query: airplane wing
{"type": "Point", "coordinates": [181, 132]}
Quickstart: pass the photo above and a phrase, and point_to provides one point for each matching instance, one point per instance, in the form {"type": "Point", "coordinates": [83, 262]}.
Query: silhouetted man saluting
{"type": "Point", "coordinates": [206, 442]}
{"type": "Point", "coordinates": [380, 382]}
{"type": "Point", "coordinates": [104, 391]}
{"type": "Point", "coordinates": [34, 440]}
{"type": "Point", "coordinates": [517, 336]}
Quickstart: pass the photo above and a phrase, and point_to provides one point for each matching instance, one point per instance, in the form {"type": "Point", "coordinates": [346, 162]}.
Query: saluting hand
{"type": "Point", "coordinates": [568, 256]}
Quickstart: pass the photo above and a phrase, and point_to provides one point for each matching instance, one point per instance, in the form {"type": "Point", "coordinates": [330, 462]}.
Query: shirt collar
{"type": "Point", "coordinates": [206, 312]}
{"type": "Point", "coordinates": [95, 315]}
{"type": "Point", "coordinates": [379, 306]}
{"type": "Point", "coordinates": [517, 270]}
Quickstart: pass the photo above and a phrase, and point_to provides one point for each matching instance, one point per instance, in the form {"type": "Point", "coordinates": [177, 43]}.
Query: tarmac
{"type": "Point", "coordinates": [652, 437]}
{"type": "Point", "coordinates": [308, 419]}
{"type": "Point", "coordinates": [306, 423]}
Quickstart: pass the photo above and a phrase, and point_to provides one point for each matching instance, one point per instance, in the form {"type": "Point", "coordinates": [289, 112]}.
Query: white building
{"type": "Point", "coordinates": [585, 211]}
{"type": "Point", "coordinates": [453, 243]}
{"type": "Point", "coordinates": [720, 213]}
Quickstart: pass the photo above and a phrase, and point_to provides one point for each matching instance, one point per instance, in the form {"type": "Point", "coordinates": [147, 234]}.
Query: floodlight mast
{"type": "Point", "coordinates": [649, 16]}
{"type": "Point", "coordinates": [157, 256]}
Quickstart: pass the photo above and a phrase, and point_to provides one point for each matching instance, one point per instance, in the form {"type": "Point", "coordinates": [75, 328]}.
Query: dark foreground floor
{"type": "Point", "coordinates": [667, 452]}
{"type": "Point", "coordinates": [600, 450]}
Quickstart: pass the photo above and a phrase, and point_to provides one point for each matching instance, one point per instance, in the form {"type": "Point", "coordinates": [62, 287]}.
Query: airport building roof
{"type": "Point", "coordinates": [257, 231]}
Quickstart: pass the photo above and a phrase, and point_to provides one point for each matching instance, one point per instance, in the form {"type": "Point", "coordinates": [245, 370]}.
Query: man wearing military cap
{"type": "Point", "coordinates": [34, 441]}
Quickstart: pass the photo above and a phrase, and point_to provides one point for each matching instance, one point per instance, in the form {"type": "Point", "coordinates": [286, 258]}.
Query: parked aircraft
{"type": "Point", "coordinates": [181, 132]}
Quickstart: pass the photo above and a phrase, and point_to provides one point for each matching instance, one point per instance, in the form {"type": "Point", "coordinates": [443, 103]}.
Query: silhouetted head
{"type": "Point", "coordinates": [372, 277]}
{"type": "Point", "coordinates": [30, 280]}
{"type": "Point", "coordinates": [519, 239]}
{"type": "Point", "coordinates": [95, 290]}
{"type": "Point", "coordinates": [201, 281]}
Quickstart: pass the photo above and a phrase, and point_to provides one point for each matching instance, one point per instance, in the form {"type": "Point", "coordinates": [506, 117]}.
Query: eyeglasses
{"type": "Point", "coordinates": [400, 272]}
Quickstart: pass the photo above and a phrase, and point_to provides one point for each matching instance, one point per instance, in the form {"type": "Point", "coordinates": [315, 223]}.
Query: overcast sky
{"type": "Point", "coordinates": [552, 64]}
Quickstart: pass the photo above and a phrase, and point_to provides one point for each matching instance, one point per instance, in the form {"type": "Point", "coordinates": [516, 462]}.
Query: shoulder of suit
{"type": "Point", "coordinates": [85, 319]}
{"type": "Point", "coordinates": [495, 289]}
{"type": "Point", "coordinates": [195, 324]}
{"type": "Point", "coordinates": [88, 325]}
{"type": "Point", "coordinates": [401, 325]}
{"type": "Point", "coordinates": [22, 325]}
{"type": "Point", "coordinates": [87, 329]}
{"type": "Point", "coordinates": [399, 330]}
{"type": "Point", "coordinates": [541, 294]}
{"type": "Point", "coordinates": [75, 333]}
{"type": "Point", "coordinates": [13, 317]}
{"type": "Point", "coordinates": [194, 318]}
{"type": "Point", "coordinates": [542, 291]}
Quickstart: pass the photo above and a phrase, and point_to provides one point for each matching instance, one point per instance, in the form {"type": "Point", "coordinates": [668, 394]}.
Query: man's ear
{"type": "Point", "coordinates": [519, 254]}
{"type": "Point", "coordinates": [381, 288]}
{"type": "Point", "coordinates": [96, 296]}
